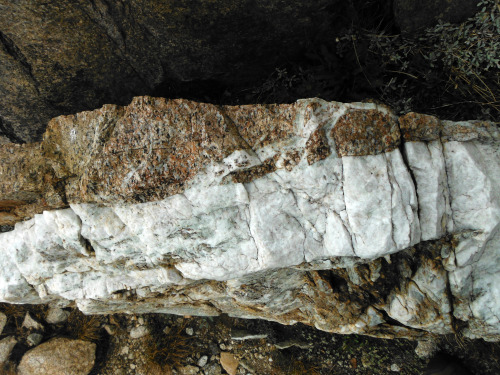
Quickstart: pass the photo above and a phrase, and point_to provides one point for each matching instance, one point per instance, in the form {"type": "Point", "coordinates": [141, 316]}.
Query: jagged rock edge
{"type": "Point", "coordinates": [413, 181]}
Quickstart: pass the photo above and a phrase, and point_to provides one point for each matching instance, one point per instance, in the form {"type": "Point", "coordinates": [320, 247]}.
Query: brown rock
{"type": "Point", "coordinates": [365, 132]}
{"type": "Point", "coordinates": [419, 127]}
{"type": "Point", "coordinates": [252, 173]}
{"type": "Point", "coordinates": [317, 147]}
{"type": "Point", "coordinates": [67, 56]}
{"type": "Point", "coordinates": [29, 184]}
{"type": "Point", "coordinates": [261, 125]}
{"type": "Point", "coordinates": [354, 363]}
{"type": "Point", "coordinates": [59, 356]}
{"type": "Point", "coordinates": [229, 363]}
{"type": "Point", "coordinates": [146, 151]}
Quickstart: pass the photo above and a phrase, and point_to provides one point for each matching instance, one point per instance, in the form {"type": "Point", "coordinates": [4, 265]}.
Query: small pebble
{"type": "Point", "coordinates": [56, 315]}
{"type": "Point", "coordinates": [426, 348]}
{"type": "Point", "coordinates": [138, 332]}
{"type": "Point", "coordinates": [395, 367]}
{"type": "Point", "coordinates": [189, 331]}
{"type": "Point", "coordinates": [34, 339]}
{"type": "Point", "coordinates": [203, 361]}
{"type": "Point", "coordinates": [110, 329]}
{"type": "Point", "coordinates": [30, 323]}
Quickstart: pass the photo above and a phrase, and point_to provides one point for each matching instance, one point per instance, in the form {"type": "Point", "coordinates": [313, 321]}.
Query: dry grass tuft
{"type": "Point", "coordinates": [15, 311]}
{"type": "Point", "coordinates": [292, 366]}
{"type": "Point", "coordinates": [19, 311]}
{"type": "Point", "coordinates": [153, 368]}
{"type": "Point", "coordinates": [167, 351]}
{"type": "Point", "coordinates": [300, 368]}
{"type": "Point", "coordinates": [84, 327]}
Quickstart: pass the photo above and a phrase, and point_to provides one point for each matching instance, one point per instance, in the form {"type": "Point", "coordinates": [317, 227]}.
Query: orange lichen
{"type": "Point", "coordinates": [419, 127]}
{"type": "Point", "coordinates": [365, 132]}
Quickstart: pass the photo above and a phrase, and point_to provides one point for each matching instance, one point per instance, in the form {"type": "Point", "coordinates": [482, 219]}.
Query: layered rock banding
{"type": "Point", "coordinates": [341, 216]}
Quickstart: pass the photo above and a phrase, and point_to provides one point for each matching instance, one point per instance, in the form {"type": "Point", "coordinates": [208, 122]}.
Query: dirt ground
{"type": "Point", "coordinates": [153, 344]}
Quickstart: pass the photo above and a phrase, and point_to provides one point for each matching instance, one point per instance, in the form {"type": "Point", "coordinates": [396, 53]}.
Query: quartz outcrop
{"type": "Point", "coordinates": [342, 216]}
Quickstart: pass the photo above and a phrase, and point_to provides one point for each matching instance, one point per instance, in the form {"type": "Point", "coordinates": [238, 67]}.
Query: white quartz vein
{"type": "Point", "coordinates": [355, 206]}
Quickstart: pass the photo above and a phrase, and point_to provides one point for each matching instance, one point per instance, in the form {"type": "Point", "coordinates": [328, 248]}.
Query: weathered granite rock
{"type": "Point", "coordinates": [3, 321]}
{"type": "Point", "coordinates": [274, 212]}
{"type": "Point", "coordinates": [56, 315]}
{"type": "Point", "coordinates": [31, 324]}
{"type": "Point", "coordinates": [59, 356]}
{"type": "Point", "coordinates": [69, 56]}
{"type": "Point", "coordinates": [6, 346]}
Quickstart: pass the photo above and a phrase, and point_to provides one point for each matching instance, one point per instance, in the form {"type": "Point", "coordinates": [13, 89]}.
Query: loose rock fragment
{"type": "Point", "coordinates": [56, 315]}
{"type": "Point", "coordinates": [6, 346]}
{"type": "Point", "coordinates": [229, 362]}
{"type": "Point", "coordinates": [3, 321]}
{"type": "Point", "coordinates": [59, 356]}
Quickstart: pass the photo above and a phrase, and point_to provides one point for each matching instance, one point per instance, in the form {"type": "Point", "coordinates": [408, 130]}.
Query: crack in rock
{"type": "Point", "coordinates": [256, 221]}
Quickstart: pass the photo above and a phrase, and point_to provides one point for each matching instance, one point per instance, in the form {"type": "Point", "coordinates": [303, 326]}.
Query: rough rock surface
{"type": "Point", "coordinates": [274, 212]}
{"type": "Point", "coordinates": [6, 346]}
{"type": "Point", "coordinates": [68, 56]}
{"type": "Point", "coordinates": [59, 356]}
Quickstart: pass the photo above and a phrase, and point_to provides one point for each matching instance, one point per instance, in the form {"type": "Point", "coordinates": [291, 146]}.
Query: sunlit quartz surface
{"type": "Point", "coordinates": [336, 212]}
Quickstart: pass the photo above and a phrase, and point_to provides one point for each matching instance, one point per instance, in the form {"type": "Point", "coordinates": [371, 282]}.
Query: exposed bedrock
{"type": "Point", "coordinates": [68, 56]}
{"type": "Point", "coordinates": [340, 216]}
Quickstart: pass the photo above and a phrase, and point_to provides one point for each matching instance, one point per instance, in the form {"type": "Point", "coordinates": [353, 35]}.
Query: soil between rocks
{"type": "Point", "coordinates": [168, 344]}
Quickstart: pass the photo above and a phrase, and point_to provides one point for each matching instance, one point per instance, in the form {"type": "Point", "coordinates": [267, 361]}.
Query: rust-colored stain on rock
{"type": "Point", "coordinates": [261, 125]}
{"type": "Point", "coordinates": [365, 132]}
{"type": "Point", "coordinates": [154, 148]}
{"type": "Point", "coordinates": [28, 183]}
{"type": "Point", "coordinates": [252, 173]}
{"type": "Point", "coordinates": [317, 147]}
{"type": "Point", "coordinates": [419, 127]}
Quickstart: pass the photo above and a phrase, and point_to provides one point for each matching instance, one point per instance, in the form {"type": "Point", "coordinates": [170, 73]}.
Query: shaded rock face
{"type": "Point", "coordinates": [276, 212]}
{"type": "Point", "coordinates": [65, 57]}
{"type": "Point", "coordinates": [413, 16]}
